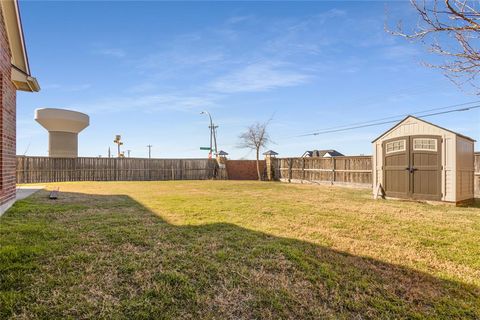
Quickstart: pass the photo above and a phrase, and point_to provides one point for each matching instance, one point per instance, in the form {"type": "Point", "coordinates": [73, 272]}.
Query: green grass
{"type": "Point", "coordinates": [235, 250]}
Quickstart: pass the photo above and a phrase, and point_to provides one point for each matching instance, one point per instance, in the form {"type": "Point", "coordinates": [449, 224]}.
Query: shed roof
{"type": "Point", "coordinates": [413, 117]}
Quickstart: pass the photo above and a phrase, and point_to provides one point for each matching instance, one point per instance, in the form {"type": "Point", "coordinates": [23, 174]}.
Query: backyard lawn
{"type": "Point", "coordinates": [235, 250]}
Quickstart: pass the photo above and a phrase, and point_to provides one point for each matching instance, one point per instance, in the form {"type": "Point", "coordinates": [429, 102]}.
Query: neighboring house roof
{"type": "Point", "coordinates": [21, 76]}
{"type": "Point", "coordinates": [270, 153]}
{"type": "Point", "coordinates": [222, 153]}
{"type": "Point", "coordinates": [408, 117]}
{"type": "Point", "coordinates": [322, 153]}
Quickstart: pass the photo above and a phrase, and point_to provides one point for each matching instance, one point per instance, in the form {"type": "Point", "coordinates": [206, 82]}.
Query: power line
{"type": "Point", "coordinates": [394, 117]}
{"type": "Point", "coordinates": [385, 122]}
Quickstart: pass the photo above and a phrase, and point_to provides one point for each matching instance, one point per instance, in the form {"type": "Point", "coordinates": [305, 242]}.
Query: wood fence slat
{"type": "Point", "coordinates": [46, 169]}
{"type": "Point", "coordinates": [355, 170]}
{"type": "Point", "coordinates": [344, 170]}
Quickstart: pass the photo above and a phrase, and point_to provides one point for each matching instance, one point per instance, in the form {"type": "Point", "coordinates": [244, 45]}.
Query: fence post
{"type": "Point", "coordinates": [149, 169]}
{"type": "Point", "coordinates": [290, 165]}
{"type": "Point", "coordinates": [333, 171]}
{"type": "Point", "coordinates": [78, 173]}
{"type": "Point", "coordinates": [269, 167]}
{"type": "Point", "coordinates": [303, 169]}
{"type": "Point", "coordinates": [25, 169]}
{"type": "Point", "coordinates": [26, 175]}
{"type": "Point", "coordinates": [115, 168]}
{"type": "Point", "coordinates": [182, 169]}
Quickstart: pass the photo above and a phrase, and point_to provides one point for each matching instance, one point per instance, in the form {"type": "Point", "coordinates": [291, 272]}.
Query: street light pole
{"type": "Point", "coordinates": [213, 135]}
{"type": "Point", "coordinates": [215, 138]}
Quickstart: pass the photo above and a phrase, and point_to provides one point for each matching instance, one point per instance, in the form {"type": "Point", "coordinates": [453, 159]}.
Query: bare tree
{"type": "Point", "coordinates": [451, 29]}
{"type": "Point", "coordinates": [255, 138]}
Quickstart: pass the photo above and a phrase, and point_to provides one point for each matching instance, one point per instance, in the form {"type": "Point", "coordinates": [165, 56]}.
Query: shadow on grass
{"type": "Point", "coordinates": [92, 256]}
{"type": "Point", "coordinates": [475, 203]}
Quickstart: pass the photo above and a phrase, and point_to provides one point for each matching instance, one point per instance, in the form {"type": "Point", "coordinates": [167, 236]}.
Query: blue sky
{"type": "Point", "coordinates": [146, 69]}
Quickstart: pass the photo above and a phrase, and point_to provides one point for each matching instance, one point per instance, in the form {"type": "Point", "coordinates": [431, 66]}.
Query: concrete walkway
{"type": "Point", "coordinates": [23, 192]}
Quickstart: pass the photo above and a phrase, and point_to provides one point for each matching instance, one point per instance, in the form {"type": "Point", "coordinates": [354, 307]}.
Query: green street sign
{"type": "Point", "coordinates": [204, 148]}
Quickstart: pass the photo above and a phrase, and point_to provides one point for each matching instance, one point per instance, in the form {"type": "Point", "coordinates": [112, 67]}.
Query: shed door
{"type": "Point", "coordinates": [396, 177]}
{"type": "Point", "coordinates": [426, 167]}
{"type": "Point", "coordinates": [412, 167]}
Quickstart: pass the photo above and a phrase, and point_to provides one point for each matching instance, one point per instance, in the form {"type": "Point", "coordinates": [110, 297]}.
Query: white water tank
{"type": "Point", "coordinates": [63, 127]}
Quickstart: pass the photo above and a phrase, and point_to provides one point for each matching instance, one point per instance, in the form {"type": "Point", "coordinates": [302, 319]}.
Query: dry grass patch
{"type": "Point", "coordinates": [224, 249]}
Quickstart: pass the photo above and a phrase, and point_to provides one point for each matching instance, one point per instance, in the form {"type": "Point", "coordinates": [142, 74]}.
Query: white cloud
{"type": "Point", "coordinates": [67, 88]}
{"type": "Point", "coordinates": [142, 87]}
{"type": "Point", "coordinates": [111, 52]}
{"type": "Point", "coordinates": [180, 58]}
{"type": "Point", "coordinates": [222, 59]}
{"type": "Point", "coordinates": [262, 76]}
{"type": "Point", "coordinates": [396, 52]}
{"type": "Point", "coordinates": [148, 103]}
{"type": "Point", "coordinates": [208, 64]}
{"type": "Point", "coordinates": [239, 19]}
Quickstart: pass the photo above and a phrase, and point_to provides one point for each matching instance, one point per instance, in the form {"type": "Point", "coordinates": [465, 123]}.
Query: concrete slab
{"type": "Point", "coordinates": [22, 193]}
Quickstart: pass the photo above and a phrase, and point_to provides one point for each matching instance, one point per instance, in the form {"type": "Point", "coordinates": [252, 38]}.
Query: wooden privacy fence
{"type": "Point", "coordinates": [337, 170]}
{"type": "Point", "coordinates": [355, 170]}
{"type": "Point", "coordinates": [45, 169]}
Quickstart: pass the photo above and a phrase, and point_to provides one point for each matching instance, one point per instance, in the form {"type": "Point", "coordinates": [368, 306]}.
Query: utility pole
{"type": "Point", "coordinates": [128, 153]}
{"type": "Point", "coordinates": [213, 134]}
{"type": "Point", "coordinates": [215, 138]}
{"type": "Point", "coordinates": [118, 141]}
{"type": "Point", "coordinates": [109, 153]}
{"type": "Point", "coordinates": [149, 151]}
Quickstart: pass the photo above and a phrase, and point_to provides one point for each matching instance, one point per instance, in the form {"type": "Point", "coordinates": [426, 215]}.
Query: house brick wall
{"type": "Point", "coordinates": [7, 120]}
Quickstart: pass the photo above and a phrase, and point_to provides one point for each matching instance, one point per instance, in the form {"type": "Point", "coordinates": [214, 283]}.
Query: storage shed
{"type": "Point", "coordinates": [416, 159]}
